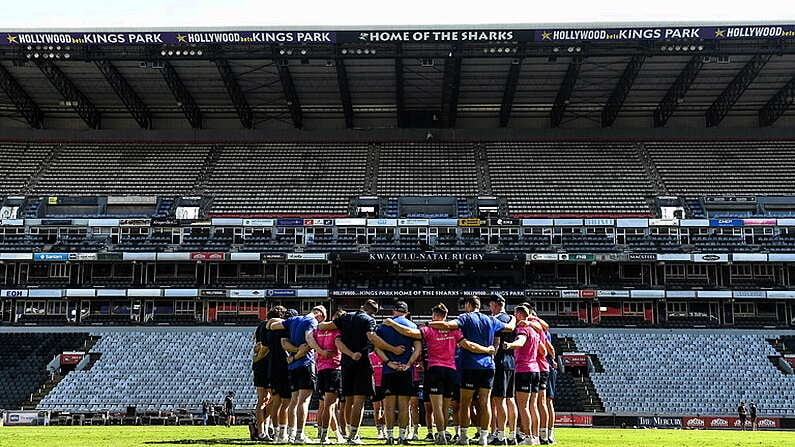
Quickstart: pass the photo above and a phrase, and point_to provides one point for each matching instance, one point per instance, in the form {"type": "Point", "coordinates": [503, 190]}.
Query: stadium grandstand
{"type": "Point", "coordinates": [161, 191]}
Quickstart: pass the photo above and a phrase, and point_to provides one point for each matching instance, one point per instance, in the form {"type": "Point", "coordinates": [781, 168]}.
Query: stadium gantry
{"type": "Point", "coordinates": [635, 183]}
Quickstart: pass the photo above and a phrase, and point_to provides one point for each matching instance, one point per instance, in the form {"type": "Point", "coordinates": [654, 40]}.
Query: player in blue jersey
{"type": "Point", "coordinates": [478, 369]}
{"type": "Point", "coordinates": [397, 379]}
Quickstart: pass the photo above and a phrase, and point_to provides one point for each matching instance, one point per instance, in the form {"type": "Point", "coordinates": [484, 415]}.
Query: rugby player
{"type": "Point", "coordinates": [397, 378]}
{"type": "Point", "coordinates": [441, 346]}
{"type": "Point", "coordinates": [478, 368]}
{"type": "Point", "coordinates": [301, 368]}
{"type": "Point", "coordinates": [357, 332]}
{"type": "Point", "coordinates": [329, 379]}
{"type": "Point", "coordinates": [527, 345]}
{"type": "Point", "coordinates": [502, 395]}
{"type": "Point", "coordinates": [277, 373]}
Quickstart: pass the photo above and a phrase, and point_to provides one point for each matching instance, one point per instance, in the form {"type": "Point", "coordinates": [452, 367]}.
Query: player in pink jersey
{"type": "Point", "coordinates": [378, 398]}
{"type": "Point", "coordinates": [440, 378]}
{"type": "Point", "coordinates": [329, 380]}
{"type": "Point", "coordinates": [546, 408]}
{"type": "Point", "coordinates": [527, 345]}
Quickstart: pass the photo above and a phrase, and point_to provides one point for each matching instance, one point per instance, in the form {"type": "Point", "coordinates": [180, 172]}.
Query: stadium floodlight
{"type": "Point", "coordinates": [29, 47]}
{"type": "Point", "coordinates": [492, 50]}
{"type": "Point", "coordinates": [358, 51]}
{"type": "Point", "coordinates": [577, 49]}
{"type": "Point", "coordinates": [499, 50]}
{"type": "Point", "coordinates": [170, 52]}
{"type": "Point", "coordinates": [177, 53]}
{"type": "Point", "coordinates": [67, 55]}
{"type": "Point", "coordinates": [289, 52]}
{"type": "Point", "coordinates": [556, 50]}
{"type": "Point", "coordinates": [344, 51]}
{"type": "Point", "coordinates": [192, 52]}
{"type": "Point", "coordinates": [692, 48]}
{"type": "Point", "coordinates": [199, 52]}
{"type": "Point", "coordinates": [372, 51]}
{"type": "Point", "coordinates": [700, 47]}
{"type": "Point", "coordinates": [28, 55]}
{"type": "Point", "coordinates": [35, 55]}
{"type": "Point", "coordinates": [281, 52]}
{"type": "Point", "coordinates": [570, 49]}
{"type": "Point", "coordinates": [303, 52]}
{"type": "Point", "coordinates": [162, 52]}
{"type": "Point", "coordinates": [52, 55]}
{"type": "Point", "coordinates": [677, 48]}
{"type": "Point", "coordinates": [58, 48]}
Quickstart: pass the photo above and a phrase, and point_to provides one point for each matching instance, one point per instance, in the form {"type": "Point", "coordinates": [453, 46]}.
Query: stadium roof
{"type": "Point", "coordinates": [468, 76]}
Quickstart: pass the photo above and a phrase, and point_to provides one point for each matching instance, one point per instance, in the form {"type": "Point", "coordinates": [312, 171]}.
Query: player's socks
{"type": "Point", "coordinates": [402, 433]}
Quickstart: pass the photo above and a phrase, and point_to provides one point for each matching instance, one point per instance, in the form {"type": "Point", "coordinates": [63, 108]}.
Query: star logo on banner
{"type": "Point", "coordinates": [12, 39]}
{"type": "Point", "coordinates": [181, 38]}
{"type": "Point", "coordinates": [546, 35]}
{"type": "Point", "coordinates": [720, 32]}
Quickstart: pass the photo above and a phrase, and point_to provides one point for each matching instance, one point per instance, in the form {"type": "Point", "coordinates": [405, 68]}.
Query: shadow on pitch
{"type": "Point", "coordinates": [204, 442]}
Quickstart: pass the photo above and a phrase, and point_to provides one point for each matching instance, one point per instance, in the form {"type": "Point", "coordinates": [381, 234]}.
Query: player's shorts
{"type": "Point", "coordinates": [261, 371]}
{"type": "Point", "coordinates": [281, 386]}
{"type": "Point", "coordinates": [397, 383]}
{"type": "Point", "coordinates": [329, 381]}
{"type": "Point", "coordinates": [503, 383]}
{"type": "Point", "coordinates": [440, 380]}
{"type": "Point", "coordinates": [553, 380]}
{"type": "Point", "coordinates": [473, 379]}
{"type": "Point", "coordinates": [527, 382]}
{"type": "Point", "coordinates": [302, 378]}
{"type": "Point", "coordinates": [357, 379]}
{"type": "Point", "coordinates": [543, 380]}
{"type": "Point", "coordinates": [379, 395]}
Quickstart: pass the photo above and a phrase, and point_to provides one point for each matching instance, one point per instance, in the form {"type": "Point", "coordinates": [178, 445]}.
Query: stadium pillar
{"type": "Point", "coordinates": [235, 93]}
{"type": "Point", "coordinates": [510, 88]}
{"type": "Point", "coordinates": [724, 103]}
{"type": "Point", "coordinates": [621, 90]}
{"type": "Point", "coordinates": [72, 95]}
{"type": "Point", "coordinates": [345, 92]}
{"type": "Point", "coordinates": [565, 91]}
{"type": "Point", "coordinates": [22, 101]}
{"type": "Point", "coordinates": [451, 86]}
{"type": "Point", "coordinates": [125, 92]}
{"type": "Point", "coordinates": [400, 99]}
{"type": "Point", "coordinates": [290, 94]}
{"type": "Point", "coordinates": [676, 93]}
{"type": "Point", "coordinates": [778, 104]}
{"type": "Point", "coordinates": [182, 95]}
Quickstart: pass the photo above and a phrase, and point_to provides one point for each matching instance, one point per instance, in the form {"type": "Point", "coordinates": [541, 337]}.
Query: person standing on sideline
{"type": "Point", "coordinates": [742, 415]}
{"type": "Point", "coordinates": [752, 415]}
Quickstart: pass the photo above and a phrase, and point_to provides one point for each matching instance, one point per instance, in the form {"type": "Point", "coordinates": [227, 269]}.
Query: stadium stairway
{"type": "Point", "coordinates": [23, 363]}
{"type": "Point", "coordinates": [575, 389]}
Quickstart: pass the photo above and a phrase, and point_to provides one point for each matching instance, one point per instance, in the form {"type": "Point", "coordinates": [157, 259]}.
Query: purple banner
{"type": "Point", "coordinates": [388, 36]}
{"type": "Point", "coordinates": [172, 38]}
{"type": "Point", "coordinates": [665, 33]}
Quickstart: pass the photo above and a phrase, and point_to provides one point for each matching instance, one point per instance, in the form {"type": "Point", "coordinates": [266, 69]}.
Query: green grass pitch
{"type": "Point", "coordinates": [116, 436]}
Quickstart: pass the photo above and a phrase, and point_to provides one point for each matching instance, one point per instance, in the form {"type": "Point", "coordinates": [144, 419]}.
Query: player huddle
{"type": "Point", "coordinates": [494, 372]}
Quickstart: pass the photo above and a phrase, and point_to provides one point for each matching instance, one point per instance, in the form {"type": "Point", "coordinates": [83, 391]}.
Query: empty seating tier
{"type": "Point", "coordinates": [160, 369]}
{"type": "Point", "coordinates": [725, 168]}
{"type": "Point", "coordinates": [687, 372]}
{"type": "Point", "coordinates": [424, 169]}
{"type": "Point", "coordinates": [18, 164]}
{"type": "Point", "coordinates": [287, 178]}
{"type": "Point", "coordinates": [23, 362]}
{"type": "Point", "coordinates": [565, 178]}
{"type": "Point", "coordinates": [128, 169]}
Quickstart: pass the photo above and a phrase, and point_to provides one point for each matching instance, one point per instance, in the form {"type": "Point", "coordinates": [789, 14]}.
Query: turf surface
{"type": "Point", "coordinates": [124, 436]}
